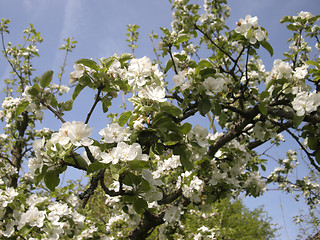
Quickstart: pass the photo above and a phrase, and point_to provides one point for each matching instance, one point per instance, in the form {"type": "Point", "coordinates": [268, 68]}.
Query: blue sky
{"type": "Point", "coordinates": [99, 26]}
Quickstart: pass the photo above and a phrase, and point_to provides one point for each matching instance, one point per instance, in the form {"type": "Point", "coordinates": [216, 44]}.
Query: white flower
{"type": "Point", "coordinates": [33, 217]}
{"type": "Point", "coordinates": [114, 133]}
{"type": "Point", "coordinates": [214, 85]}
{"type": "Point", "coordinates": [138, 124]}
{"type": "Point", "coordinates": [250, 23]}
{"type": "Point", "coordinates": [60, 209]}
{"type": "Point", "coordinates": [179, 79]}
{"type": "Point", "coordinates": [124, 152]}
{"type": "Point", "coordinates": [194, 189]}
{"type": "Point", "coordinates": [157, 93]}
{"type": "Point", "coordinates": [200, 134]}
{"type": "Point", "coordinates": [140, 71]}
{"type": "Point", "coordinates": [305, 102]}
{"type": "Point", "coordinates": [7, 196]}
{"type": "Point", "coordinates": [301, 72]}
{"type": "Point", "coordinates": [77, 73]}
{"type": "Point", "coordinates": [76, 132]}
{"type": "Point", "coordinates": [172, 214]}
{"type": "Point", "coordinates": [305, 15]}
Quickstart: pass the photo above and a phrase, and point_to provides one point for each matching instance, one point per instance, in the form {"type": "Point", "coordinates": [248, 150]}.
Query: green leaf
{"type": "Point", "coordinates": [293, 27]}
{"type": "Point", "coordinates": [89, 63]}
{"type": "Point", "coordinates": [35, 90]}
{"type": "Point", "coordinates": [263, 109]}
{"type": "Point", "coordinates": [182, 38]}
{"type": "Point", "coordinates": [184, 157]}
{"type": "Point", "coordinates": [158, 148]}
{"type": "Point", "coordinates": [51, 179]}
{"type": "Point", "coordinates": [137, 164]}
{"type": "Point", "coordinates": [125, 57]}
{"type": "Point", "coordinates": [21, 107]}
{"type": "Point", "coordinates": [216, 110]}
{"type": "Point", "coordinates": [168, 65]}
{"type": "Point", "coordinates": [314, 63]}
{"type": "Point", "coordinates": [264, 95]}
{"type": "Point", "coordinates": [77, 90]}
{"type": "Point", "coordinates": [95, 166]}
{"type": "Point", "coordinates": [186, 128]}
{"type": "Point", "coordinates": [312, 142]}
{"type": "Point", "coordinates": [131, 179]}
{"type": "Point", "coordinates": [203, 64]}
{"type": "Point", "coordinates": [81, 161]}
{"type": "Point", "coordinates": [207, 72]}
{"type": "Point", "coordinates": [139, 205]}
{"type": "Point", "coordinates": [204, 106]}
{"type": "Point", "coordinates": [67, 106]}
{"type": "Point", "coordinates": [171, 109]}
{"type": "Point", "coordinates": [297, 120]}
{"type": "Point", "coordinates": [46, 78]}
{"type": "Point", "coordinates": [85, 80]}
{"type": "Point", "coordinates": [318, 157]}
{"type": "Point", "coordinates": [124, 118]}
{"type": "Point", "coordinates": [267, 46]}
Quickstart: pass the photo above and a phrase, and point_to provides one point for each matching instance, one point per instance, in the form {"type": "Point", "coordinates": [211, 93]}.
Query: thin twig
{"type": "Point", "coordinates": [94, 105]}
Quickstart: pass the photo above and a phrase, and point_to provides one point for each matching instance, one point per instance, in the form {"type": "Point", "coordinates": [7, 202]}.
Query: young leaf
{"type": "Point", "coordinates": [124, 118]}
{"type": "Point", "coordinates": [67, 106]}
{"type": "Point", "coordinates": [267, 46]}
{"type": "Point", "coordinates": [77, 90]}
{"type": "Point", "coordinates": [125, 57]}
{"type": "Point", "coordinates": [46, 78]}
{"type": "Point", "coordinates": [21, 108]}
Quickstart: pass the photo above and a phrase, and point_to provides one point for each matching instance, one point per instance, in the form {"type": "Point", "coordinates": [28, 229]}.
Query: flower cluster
{"type": "Point", "coordinates": [250, 28]}
{"type": "Point", "coordinates": [79, 70]}
{"type": "Point", "coordinates": [124, 152]}
{"type": "Point", "coordinates": [113, 133]}
{"type": "Point", "coordinates": [76, 132]}
{"type": "Point", "coordinates": [215, 85]}
{"type": "Point", "coordinates": [146, 79]}
{"type": "Point", "coordinates": [306, 102]}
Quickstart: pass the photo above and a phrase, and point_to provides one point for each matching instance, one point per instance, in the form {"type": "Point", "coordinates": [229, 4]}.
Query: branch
{"type": "Point", "coordinates": [93, 186]}
{"type": "Point", "coordinates": [7, 58]}
{"type": "Point", "coordinates": [148, 222]}
{"type": "Point", "coordinates": [304, 149]}
{"type": "Point", "coordinates": [94, 105]}
{"type": "Point", "coordinates": [52, 110]}
{"type": "Point", "coordinates": [171, 197]}
{"type": "Point", "coordinates": [173, 63]}
{"type": "Point", "coordinates": [217, 46]}
{"type": "Point", "coordinates": [234, 132]}
{"type": "Point", "coordinates": [113, 193]}
{"type": "Point", "coordinates": [282, 128]}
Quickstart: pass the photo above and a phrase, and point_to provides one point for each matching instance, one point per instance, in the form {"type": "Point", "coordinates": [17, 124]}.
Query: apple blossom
{"type": "Point", "coordinates": [114, 133]}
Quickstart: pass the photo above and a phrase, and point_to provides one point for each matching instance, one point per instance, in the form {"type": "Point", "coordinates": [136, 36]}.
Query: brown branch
{"type": "Point", "coordinates": [85, 196]}
{"type": "Point", "coordinates": [172, 59]}
{"type": "Point", "coordinates": [217, 46]}
{"type": "Point", "coordinates": [148, 222]}
{"type": "Point", "coordinates": [171, 197]}
{"type": "Point", "coordinates": [234, 132]}
{"type": "Point", "coordinates": [43, 102]}
{"type": "Point", "coordinates": [305, 150]}
{"type": "Point", "coordinates": [94, 105]}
